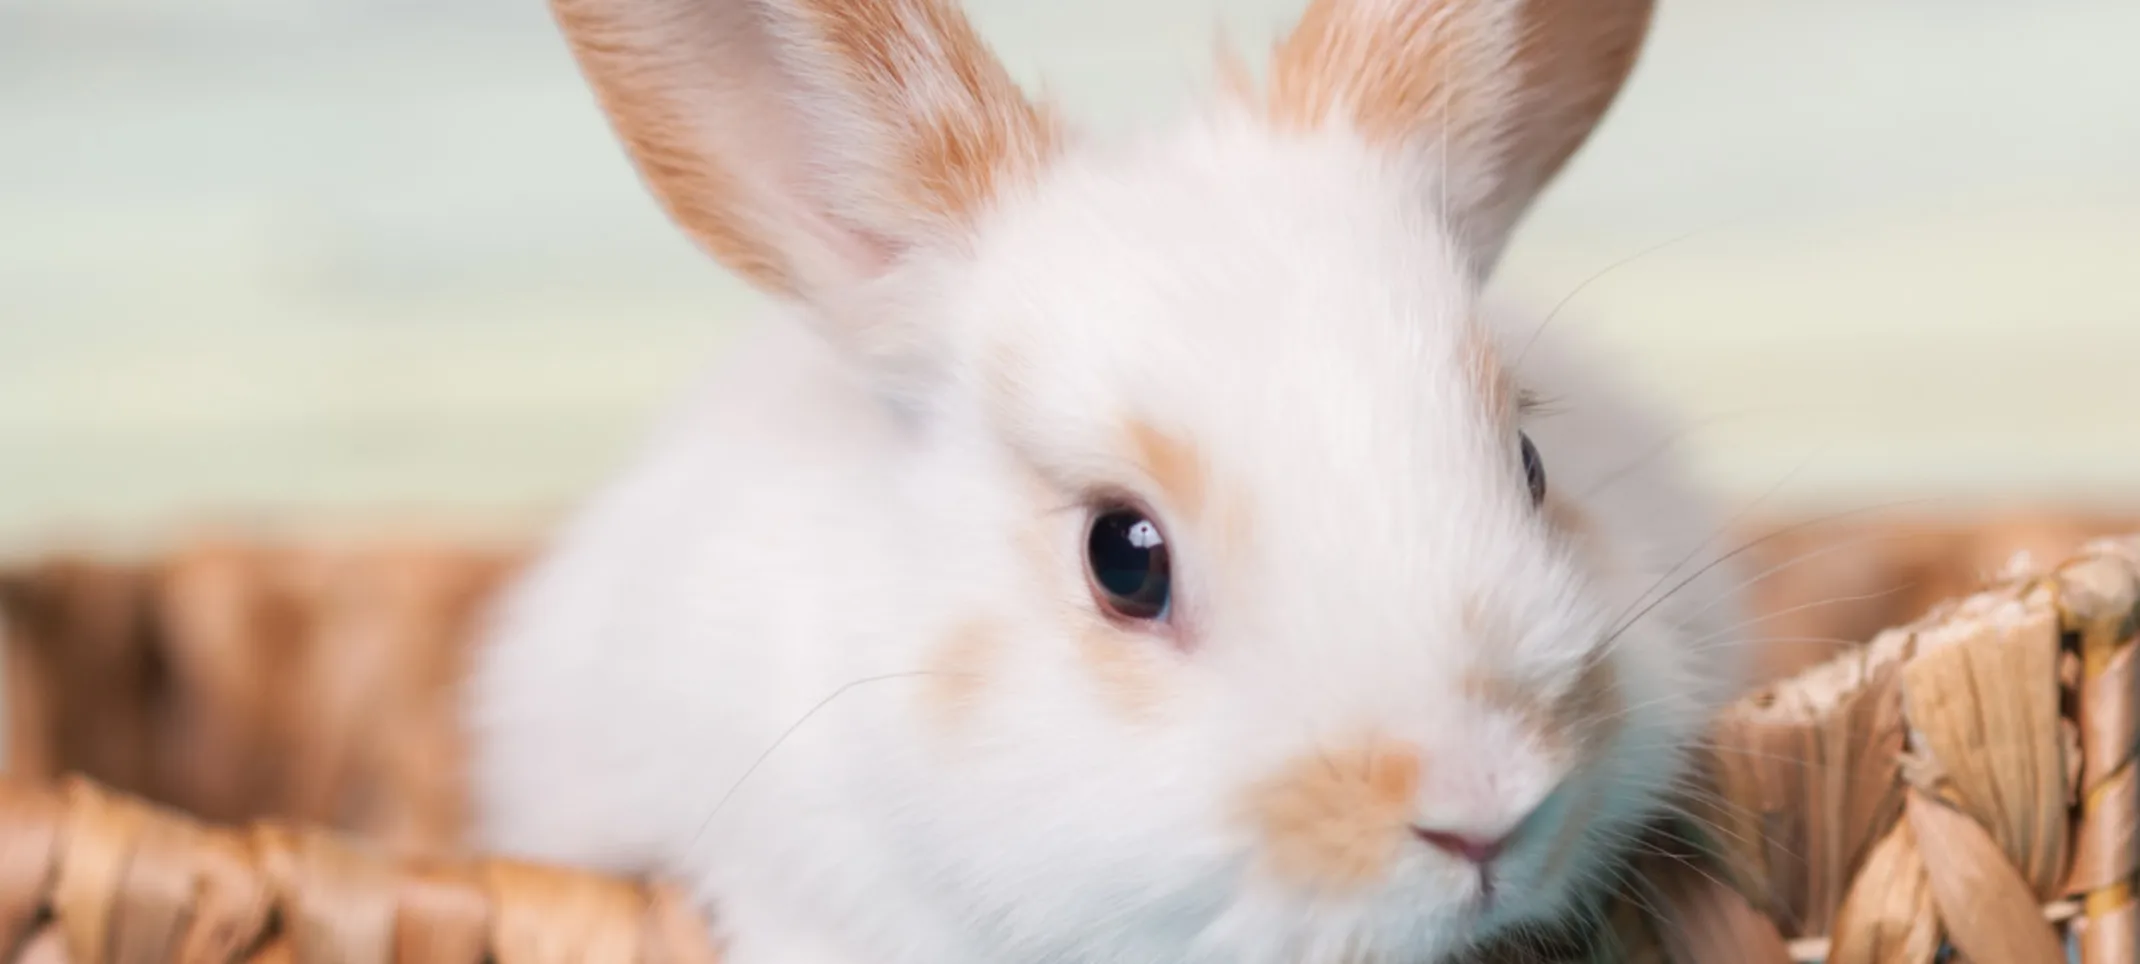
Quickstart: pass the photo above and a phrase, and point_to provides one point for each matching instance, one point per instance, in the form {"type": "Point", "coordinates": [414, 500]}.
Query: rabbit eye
{"type": "Point", "coordinates": [1534, 470]}
{"type": "Point", "coordinates": [1126, 555]}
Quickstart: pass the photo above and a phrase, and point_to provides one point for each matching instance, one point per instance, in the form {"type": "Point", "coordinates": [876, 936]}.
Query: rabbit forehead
{"type": "Point", "coordinates": [1223, 312]}
{"type": "Point", "coordinates": [1271, 342]}
{"type": "Point", "coordinates": [1224, 233]}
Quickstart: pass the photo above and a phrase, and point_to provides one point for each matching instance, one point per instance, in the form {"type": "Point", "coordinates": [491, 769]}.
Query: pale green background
{"type": "Point", "coordinates": [355, 260]}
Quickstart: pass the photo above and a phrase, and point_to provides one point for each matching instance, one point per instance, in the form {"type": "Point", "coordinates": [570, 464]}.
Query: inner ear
{"type": "Point", "coordinates": [1495, 95]}
{"type": "Point", "coordinates": [810, 144]}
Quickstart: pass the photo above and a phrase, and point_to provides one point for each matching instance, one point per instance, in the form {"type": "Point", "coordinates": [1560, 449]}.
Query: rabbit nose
{"type": "Point", "coordinates": [1478, 850]}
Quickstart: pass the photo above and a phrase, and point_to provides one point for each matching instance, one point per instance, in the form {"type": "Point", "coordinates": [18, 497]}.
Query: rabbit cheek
{"type": "Point", "coordinates": [1039, 538]}
{"type": "Point", "coordinates": [1482, 364]}
{"type": "Point", "coordinates": [1582, 721]}
{"type": "Point", "coordinates": [1589, 717]}
{"type": "Point", "coordinates": [960, 666]}
{"type": "Point", "coordinates": [1583, 808]}
{"type": "Point", "coordinates": [1173, 465]}
{"type": "Point", "coordinates": [1579, 728]}
{"type": "Point", "coordinates": [1335, 822]}
{"type": "Point", "coordinates": [1586, 722]}
{"type": "Point", "coordinates": [1126, 671]}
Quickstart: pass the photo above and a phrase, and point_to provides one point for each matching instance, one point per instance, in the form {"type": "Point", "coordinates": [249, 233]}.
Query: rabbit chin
{"type": "Point", "coordinates": [1427, 919]}
{"type": "Point", "coordinates": [1110, 883]}
{"type": "Point", "coordinates": [1232, 918]}
{"type": "Point", "coordinates": [1426, 916]}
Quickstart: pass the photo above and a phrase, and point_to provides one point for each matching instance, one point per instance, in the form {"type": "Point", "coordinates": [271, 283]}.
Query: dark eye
{"type": "Point", "coordinates": [1534, 471]}
{"type": "Point", "coordinates": [1131, 574]}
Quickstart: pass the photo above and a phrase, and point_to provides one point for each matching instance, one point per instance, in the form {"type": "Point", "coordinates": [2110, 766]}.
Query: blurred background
{"type": "Point", "coordinates": [350, 262]}
{"type": "Point", "coordinates": [367, 268]}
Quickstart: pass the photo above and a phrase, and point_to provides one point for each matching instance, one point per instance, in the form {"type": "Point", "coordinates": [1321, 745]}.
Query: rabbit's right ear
{"type": "Point", "coordinates": [808, 144]}
{"type": "Point", "coordinates": [1497, 94]}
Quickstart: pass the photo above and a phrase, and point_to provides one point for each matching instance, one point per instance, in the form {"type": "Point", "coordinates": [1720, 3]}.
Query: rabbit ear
{"type": "Point", "coordinates": [808, 144]}
{"type": "Point", "coordinates": [1495, 93]}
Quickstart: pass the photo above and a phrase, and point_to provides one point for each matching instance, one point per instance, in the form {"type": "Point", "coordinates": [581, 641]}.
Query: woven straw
{"type": "Point", "coordinates": [1956, 780]}
{"type": "Point", "coordinates": [90, 876]}
{"type": "Point", "coordinates": [242, 680]}
{"type": "Point", "coordinates": [1965, 781]}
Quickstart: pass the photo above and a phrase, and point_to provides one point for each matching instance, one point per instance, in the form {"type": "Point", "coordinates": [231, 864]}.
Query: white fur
{"type": "Point", "coordinates": [1291, 308]}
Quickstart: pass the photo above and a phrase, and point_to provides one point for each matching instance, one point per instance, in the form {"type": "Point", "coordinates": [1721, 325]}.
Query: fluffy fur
{"type": "Point", "coordinates": [827, 650]}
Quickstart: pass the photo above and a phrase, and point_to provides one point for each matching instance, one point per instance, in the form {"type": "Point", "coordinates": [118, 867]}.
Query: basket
{"type": "Point", "coordinates": [1966, 780]}
{"type": "Point", "coordinates": [1962, 787]}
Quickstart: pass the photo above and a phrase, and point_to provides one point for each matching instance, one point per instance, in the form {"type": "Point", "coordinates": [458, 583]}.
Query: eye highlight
{"type": "Point", "coordinates": [1534, 470]}
{"type": "Point", "coordinates": [1127, 559]}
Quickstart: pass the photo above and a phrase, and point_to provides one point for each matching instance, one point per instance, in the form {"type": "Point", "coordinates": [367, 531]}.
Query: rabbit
{"type": "Point", "coordinates": [1151, 549]}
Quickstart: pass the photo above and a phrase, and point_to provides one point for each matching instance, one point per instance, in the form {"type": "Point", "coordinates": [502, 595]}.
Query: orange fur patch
{"type": "Point", "coordinates": [1573, 56]}
{"type": "Point", "coordinates": [1335, 823]}
{"type": "Point", "coordinates": [1490, 630]}
{"type": "Point", "coordinates": [1172, 464]}
{"type": "Point", "coordinates": [1235, 79]}
{"type": "Point", "coordinates": [1481, 361]}
{"type": "Point", "coordinates": [1567, 518]}
{"type": "Point", "coordinates": [1390, 69]}
{"type": "Point", "coordinates": [1127, 669]}
{"type": "Point", "coordinates": [955, 156]}
{"type": "Point", "coordinates": [1511, 88]}
{"type": "Point", "coordinates": [1500, 694]}
{"type": "Point", "coordinates": [1590, 714]}
{"type": "Point", "coordinates": [960, 666]}
{"type": "Point", "coordinates": [692, 90]}
{"type": "Point", "coordinates": [630, 56]}
{"type": "Point", "coordinates": [1589, 717]}
{"type": "Point", "coordinates": [1584, 718]}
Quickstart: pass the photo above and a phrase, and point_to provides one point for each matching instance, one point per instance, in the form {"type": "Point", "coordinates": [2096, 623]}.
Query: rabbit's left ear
{"type": "Point", "coordinates": [1493, 95]}
{"type": "Point", "coordinates": [808, 144]}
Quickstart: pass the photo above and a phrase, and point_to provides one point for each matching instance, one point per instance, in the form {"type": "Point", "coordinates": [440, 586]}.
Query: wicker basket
{"type": "Point", "coordinates": [1961, 788]}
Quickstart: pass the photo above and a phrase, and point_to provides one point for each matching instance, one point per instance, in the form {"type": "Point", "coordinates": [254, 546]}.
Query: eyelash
{"type": "Point", "coordinates": [1530, 404]}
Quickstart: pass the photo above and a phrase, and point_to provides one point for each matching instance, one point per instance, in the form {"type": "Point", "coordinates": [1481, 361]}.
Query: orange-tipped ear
{"type": "Point", "coordinates": [1499, 92]}
{"type": "Point", "coordinates": [808, 143]}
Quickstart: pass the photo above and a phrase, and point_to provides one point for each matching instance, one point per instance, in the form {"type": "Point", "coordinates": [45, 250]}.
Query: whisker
{"type": "Point", "coordinates": [1609, 269]}
{"type": "Point", "coordinates": [1714, 829]}
{"type": "Point", "coordinates": [1628, 886]}
{"type": "Point", "coordinates": [1641, 843]}
{"type": "Point", "coordinates": [1703, 744]}
{"type": "Point", "coordinates": [1443, 160]}
{"type": "Point", "coordinates": [1720, 531]}
{"type": "Point", "coordinates": [1672, 804]}
{"type": "Point", "coordinates": [1802, 607]}
{"type": "Point", "coordinates": [1749, 546]}
{"type": "Point", "coordinates": [1629, 709]}
{"type": "Point", "coordinates": [790, 731]}
{"type": "Point", "coordinates": [1662, 446]}
{"type": "Point", "coordinates": [1693, 793]}
{"type": "Point", "coordinates": [1856, 540]}
{"type": "Point", "coordinates": [1703, 645]}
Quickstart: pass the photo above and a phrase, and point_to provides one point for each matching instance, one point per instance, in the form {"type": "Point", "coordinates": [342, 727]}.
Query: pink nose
{"type": "Point", "coordinates": [1478, 850]}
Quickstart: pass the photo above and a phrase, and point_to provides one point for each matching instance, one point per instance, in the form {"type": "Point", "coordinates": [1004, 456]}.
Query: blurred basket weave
{"type": "Point", "coordinates": [1961, 788]}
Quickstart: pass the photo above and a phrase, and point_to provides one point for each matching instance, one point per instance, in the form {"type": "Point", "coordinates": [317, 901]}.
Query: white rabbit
{"type": "Point", "coordinates": [1112, 553]}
